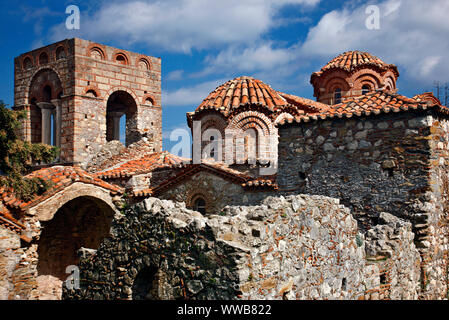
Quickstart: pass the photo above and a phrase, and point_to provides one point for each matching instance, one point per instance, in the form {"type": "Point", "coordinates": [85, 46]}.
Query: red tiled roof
{"type": "Point", "coordinates": [352, 60]}
{"type": "Point", "coordinates": [145, 164]}
{"type": "Point", "coordinates": [249, 91]}
{"type": "Point", "coordinates": [370, 104]}
{"type": "Point", "coordinates": [61, 177]}
{"type": "Point", "coordinates": [134, 151]}
{"type": "Point", "coordinates": [312, 105]}
{"type": "Point", "coordinates": [219, 169]}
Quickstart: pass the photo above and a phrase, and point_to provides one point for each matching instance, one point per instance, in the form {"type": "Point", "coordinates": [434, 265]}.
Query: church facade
{"type": "Point", "coordinates": [361, 142]}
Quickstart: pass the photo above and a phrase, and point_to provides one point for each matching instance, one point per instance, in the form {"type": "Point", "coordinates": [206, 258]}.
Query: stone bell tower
{"type": "Point", "coordinates": [80, 94]}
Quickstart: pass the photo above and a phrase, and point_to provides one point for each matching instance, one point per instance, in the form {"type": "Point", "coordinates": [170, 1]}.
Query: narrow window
{"type": "Point", "coordinates": [212, 151]}
{"type": "Point", "coordinates": [366, 89]}
{"type": "Point", "coordinates": [337, 95]}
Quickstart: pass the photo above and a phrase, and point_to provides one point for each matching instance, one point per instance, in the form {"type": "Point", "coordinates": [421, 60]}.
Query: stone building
{"type": "Point", "coordinates": [76, 91]}
{"type": "Point", "coordinates": [356, 207]}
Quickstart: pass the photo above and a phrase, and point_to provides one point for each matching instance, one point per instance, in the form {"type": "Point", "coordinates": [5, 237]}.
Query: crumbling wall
{"type": "Point", "coordinates": [392, 255]}
{"type": "Point", "coordinates": [299, 247]}
{"type": "Point", "coordinates": [9, 258]}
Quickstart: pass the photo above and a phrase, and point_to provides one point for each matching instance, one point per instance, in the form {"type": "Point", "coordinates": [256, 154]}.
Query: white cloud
{"type": "Point", "coordinates": [175, 75]}
{"type": "Point", "coordinates": [181, 25]}
{"type": "Point", "coordinates": [412, 35]}
{"type": "Point", "coordinates": [263, 57]}
{"type": "Point", "coordinates": [190, 96]}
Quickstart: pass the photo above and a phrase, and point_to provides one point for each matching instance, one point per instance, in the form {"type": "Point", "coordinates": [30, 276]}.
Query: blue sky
{"type": "Point", "coordinates": [204, 43]}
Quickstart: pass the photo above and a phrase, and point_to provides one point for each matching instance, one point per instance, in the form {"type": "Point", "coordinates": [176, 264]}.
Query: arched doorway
{"type": "Point", "coordinates": [82, 222]}
{"type": "Point", "coordinates": [121, 118]}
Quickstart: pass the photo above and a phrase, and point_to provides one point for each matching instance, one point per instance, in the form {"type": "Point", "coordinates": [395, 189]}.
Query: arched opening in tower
{"type": "Point", "coordinates": [45, 116]}
{"type": "Point", "coordinates": [121, 118]}
{"type": "Point", "coordinates": [80, 223]}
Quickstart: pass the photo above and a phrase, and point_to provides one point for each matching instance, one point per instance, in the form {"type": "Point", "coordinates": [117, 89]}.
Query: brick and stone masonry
{"type": "Point", "coordinates": [75, 92]}
{"type": "Point", "coordinates": [394, 162]}
{"type": "Point", "coordinates": [299, 247]}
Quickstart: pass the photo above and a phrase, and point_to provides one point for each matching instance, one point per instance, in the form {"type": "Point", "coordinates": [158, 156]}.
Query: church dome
{"type": "Point", "coordinates": [353, 73]}
{"type": "Point", "coordinates": [352, 60]}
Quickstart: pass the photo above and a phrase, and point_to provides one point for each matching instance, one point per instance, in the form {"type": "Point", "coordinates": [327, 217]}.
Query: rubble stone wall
{"type": "Point", "coordinates": [299, 247]}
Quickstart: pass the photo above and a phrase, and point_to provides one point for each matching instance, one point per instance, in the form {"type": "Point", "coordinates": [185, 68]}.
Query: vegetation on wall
{"type": "Point", "coordinates": [17, 156]}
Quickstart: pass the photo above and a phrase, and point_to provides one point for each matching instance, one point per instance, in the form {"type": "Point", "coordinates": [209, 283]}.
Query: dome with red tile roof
{"type": "Point", "coordinates": [351, 74]}
{"type": "Point", "coordinates": [351, 60]}
{"type": "Point", "coordinates": [241, 91]}
{"type": "Point", "coordinates": [245, 90]}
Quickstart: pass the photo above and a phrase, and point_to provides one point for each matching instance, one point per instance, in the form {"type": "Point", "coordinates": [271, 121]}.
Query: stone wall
{"type": "Point", "coordinates": [391, 253]}
{"type": "Point", "coordinates": [218, 192]}
{"type": "Point", "coordinates": [431, 224]}
{"type": "Point", "coordinates": [392, 162]}
{"type": "Point", "coordinates": [299, 247]}
{"type": "Point", "coordinates": [9, 258]}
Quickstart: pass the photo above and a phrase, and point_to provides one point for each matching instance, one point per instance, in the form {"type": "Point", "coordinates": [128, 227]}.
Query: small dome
{"type": "Point", "coordinates": [241, 91]}
{"type": "Point", "coordinates": [351, 60]}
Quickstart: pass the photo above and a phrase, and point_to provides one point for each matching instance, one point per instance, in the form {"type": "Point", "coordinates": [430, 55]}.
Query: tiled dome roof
{"type": "Point", "coordinates": [250, 91]}
{"type": "Point", "coordinates": [240, 91]}
{"type": "Point", "coordinates": [351, 60]}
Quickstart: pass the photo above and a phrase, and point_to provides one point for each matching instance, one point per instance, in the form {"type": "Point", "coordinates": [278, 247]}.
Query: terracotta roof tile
{"type": "Point", "coordinates": [134, 151]}
{"type": "Point", "coordinates": [145, 164]}
{"type": "Point", "coordinates": [351, 60]}
{"type": "Point", "coordinates": [60, 176]}
{"type": "Point", "coordinates": [373, 103]}
{"type": "Point", "coordinates": [217, 168]}
{"type": "Point", "coordinates": [247, 90]}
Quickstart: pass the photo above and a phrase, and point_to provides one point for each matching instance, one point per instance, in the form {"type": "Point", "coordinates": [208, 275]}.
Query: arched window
{"type": "Point", "coordinates": [60, 53]}
{"type": "Point", "coordinates": [91, 93]}
{"type": "Point", "coordinates": [200, 205]}
{"type": "Point", "coordinates": [337, 96]}
{"type": "Point", "coordinates": [120, 58]}
{"type": "Point", "coordinates": [121, 118]}
{"type": "Point", "coordinates": [27, 63]}
{"type": "Point", "coordinates": [251, 144]}
{"type": "Point", "coordinates": [144, 65]}
{"type": "Point", "coordinates": [366, 89]}
{"type": "Point", "coordinates": [97, 54]}
{"type": "Point", "coordinates": [149, 101]}
{"type": "Point", "coordinates": [43, 58]}
{"type": "Point", "coordinates": [212, 150]}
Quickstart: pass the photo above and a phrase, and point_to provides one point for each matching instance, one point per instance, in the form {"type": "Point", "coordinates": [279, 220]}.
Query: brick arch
{"type": "Point", "coordinates": [55, 90]}
{"type": "Point", "coordinates": [373, 81]}
{"type": "Point", "coordinates": [140, 58]}
{"type": "Point", "coordinates": [95, 46]}
{"type": "Point", "coordinates": [119, 88]}
{"type": "Point", "coordinates": [55, 53]}
{"type": "Point", "coordinates": [366, 75]}
{"type": "Point", "coordinates": [242, 119]}
{"type": "Point", "coordinates": [28, 56]}
{"type": "Point", "coordinates": [336, 82]}
{"type": "Point", "coordinates": [149, 96]}
{"type": "Point", "coordinates": [128, 107]}
{"type": "Point", "coordinates": [94, 89]}
{"type": "Point", "coordinates": [46, 210]}
{"type": "Point", "coordinates": [213, 120]}
{"type": "Point", "coordinates": [195, 195]}
{"type": "Point", "coordinates": [121, 53]}
{"type": "Point", "coordinates": [389, 78]}
{"type": "Point", "coordinates": [42, 51]}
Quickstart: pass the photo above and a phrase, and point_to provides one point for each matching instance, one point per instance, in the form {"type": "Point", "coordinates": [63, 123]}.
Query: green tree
{"type": "Point", "coordinates": [17, 156]}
